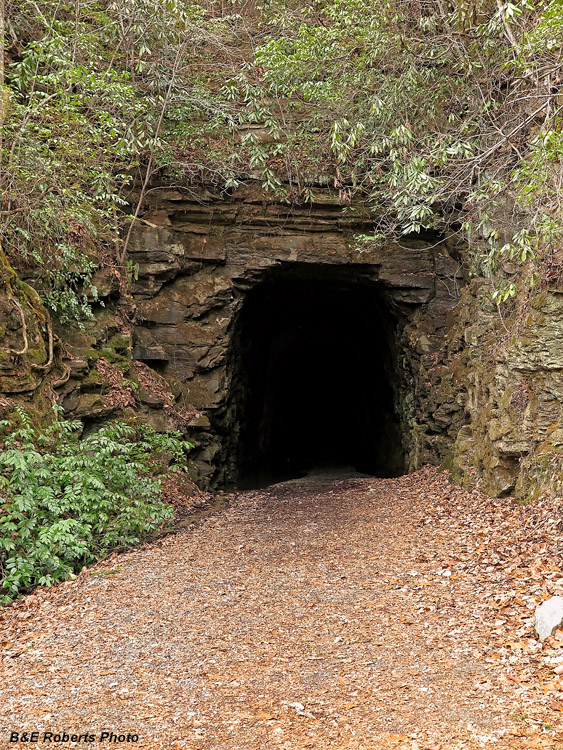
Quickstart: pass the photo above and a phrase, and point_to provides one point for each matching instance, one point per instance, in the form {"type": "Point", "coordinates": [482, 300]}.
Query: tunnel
{"type": "Point", "coordinates": [313, 377]}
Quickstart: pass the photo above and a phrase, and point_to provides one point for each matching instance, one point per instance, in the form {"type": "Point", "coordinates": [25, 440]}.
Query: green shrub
{"type": "Point", "coordinates": [66, 502]}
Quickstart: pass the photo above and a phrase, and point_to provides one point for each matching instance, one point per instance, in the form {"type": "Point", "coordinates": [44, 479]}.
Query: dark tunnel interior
{"type": "Point", "coordinates": [313, 376]}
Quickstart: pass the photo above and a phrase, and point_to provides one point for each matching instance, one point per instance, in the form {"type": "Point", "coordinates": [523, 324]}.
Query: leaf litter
{"type": "Point", "coordinates": [342, 612]}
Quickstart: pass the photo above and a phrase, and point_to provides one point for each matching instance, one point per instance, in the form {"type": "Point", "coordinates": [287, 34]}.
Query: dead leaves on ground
{"type": "Point", "coordinates": [352, 613]}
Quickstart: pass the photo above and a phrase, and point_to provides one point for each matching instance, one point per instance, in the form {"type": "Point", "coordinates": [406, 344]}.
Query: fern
{"type": "Point", "coordinates": [67, 502]}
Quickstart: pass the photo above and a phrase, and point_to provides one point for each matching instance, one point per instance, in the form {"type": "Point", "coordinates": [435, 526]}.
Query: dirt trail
{"type": "Point", "coordinates": [326, 613]}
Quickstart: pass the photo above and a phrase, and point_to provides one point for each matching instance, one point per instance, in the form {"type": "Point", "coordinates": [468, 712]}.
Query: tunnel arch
{"type": "Point", "coordinates": [314, 369]}
{"type": "Point", "coordinates": [204, 258]}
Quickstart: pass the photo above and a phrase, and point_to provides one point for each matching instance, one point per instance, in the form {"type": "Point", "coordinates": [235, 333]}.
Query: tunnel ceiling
{"type": "Point", "coordinates": [231, 286]}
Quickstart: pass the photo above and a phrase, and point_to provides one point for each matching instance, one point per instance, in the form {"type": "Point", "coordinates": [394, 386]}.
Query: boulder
{"type": "Point", "coordinates": [549, 617]}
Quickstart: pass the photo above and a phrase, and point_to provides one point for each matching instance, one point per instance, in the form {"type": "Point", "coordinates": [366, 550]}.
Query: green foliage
{"type": "Point", "coordinates": [67, 501]}
{"type": "Point", "coordinates": [94, 91]}
{"type": "Point", "coordinates": [382, 101]}
{"type": "Point", "coordinates": [440, 116]}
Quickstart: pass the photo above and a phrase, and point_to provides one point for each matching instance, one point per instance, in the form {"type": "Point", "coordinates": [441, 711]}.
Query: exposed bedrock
{"type": "Point", "coordinates": [263, 333]}
{"type": "Point", "coordinates": [294, 348]}
{"type": "Point", "coordinates": [513, 371]}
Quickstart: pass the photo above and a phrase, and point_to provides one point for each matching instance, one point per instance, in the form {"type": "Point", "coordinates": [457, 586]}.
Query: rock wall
{"type": "Point", "coordinates": [198, 254]}
{"type": "Point", "coordinates": [512, 368]}
{"type": "Point", "coordinates": [31, 365]}
{"type": "Point", "coordinates": [480, 393]}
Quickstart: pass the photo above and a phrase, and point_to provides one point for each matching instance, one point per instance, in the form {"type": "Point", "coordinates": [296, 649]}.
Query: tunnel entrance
{"type": "Point", "coordinates": [313, 377]}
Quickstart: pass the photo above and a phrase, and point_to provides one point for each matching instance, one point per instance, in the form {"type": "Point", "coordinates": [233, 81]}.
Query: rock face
{"type": "Point", "coordinates": [227, 290]}
{"type": "Point", "coordinates": [200, 256]}
{"type": "Point", "coordinates": [30, 357]}
{"type": "Point", "coordinates": [512, 372]}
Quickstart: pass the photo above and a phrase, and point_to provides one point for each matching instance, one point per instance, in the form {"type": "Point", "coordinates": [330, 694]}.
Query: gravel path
{"type": "Point", "coordinates": [321, 613]}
